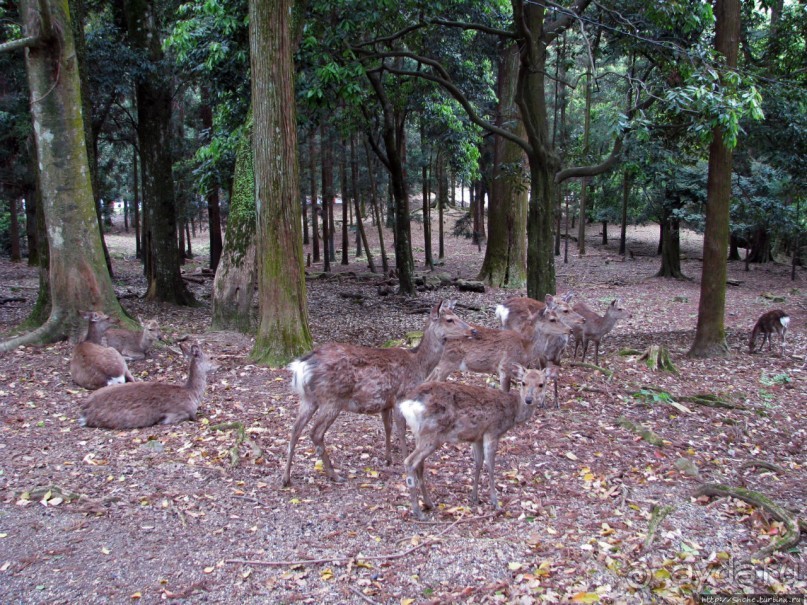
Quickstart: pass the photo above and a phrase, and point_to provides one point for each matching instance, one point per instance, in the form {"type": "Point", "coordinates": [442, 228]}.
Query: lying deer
{"type": "Point", "coordinates": [768, 323]}
{"type": "Point", "coordinates": [596, 326]}
{"type": "Point", "coordinates": [128, 406]}
{"type": "Point", "coordinates": [367, 380]}
{"type": "Point", "coordinates": [93, 365]}
{"type": "Point", "coordinates": [440, 412]}
{"type": "Point", "coordinates": [131, 344]}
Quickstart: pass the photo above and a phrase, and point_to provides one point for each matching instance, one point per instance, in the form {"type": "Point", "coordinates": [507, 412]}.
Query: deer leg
{"type": "Point", "coordinates": [386, 419]}
{"type": "Point", "coordinates": [596, 352]}
{"type": "Point", "coordinates": [504, 380]}
{"type": "Point", "coordinates": [585, 348]}
{"type": "Point", "coordinates": [479, 458]}
{"type": "Point", "coordinates": [427, 499]}
{"type": "Point", "coordinates": [490, 445]}
{"type": "Point", "coordinates": [321, 425]}
{"type": "Point", "coordinates": [400, 432]}
{"type": "Point", "coordinates": [307, 409]}
{"type": "Point", "coordinates": [414, 474]}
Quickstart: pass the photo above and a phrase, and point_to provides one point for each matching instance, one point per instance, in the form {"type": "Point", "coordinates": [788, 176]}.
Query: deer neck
{"type": "Point", "coordinates": [94, 333]}
{"type": "Point", "coordinates": [197, 380]}
{"type": "Point", "coordinates": [427, 354]}
{"type": "Point", "coordinates": [609, 321]}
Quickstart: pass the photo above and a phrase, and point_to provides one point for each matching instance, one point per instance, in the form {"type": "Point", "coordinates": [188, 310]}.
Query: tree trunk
{"type": "Point", "coordinates": [623, 229]}
{"type": "Point", "coordinates": [345, 204]}
{"type": "Point", "coordinates": [136, 203]}
{"type": "Point", "coordinates": [14, 228]}
{"type": "Point", "coordinates": [326, 162]}
{"type": "Point", "coordinates": [760, 246]}
{"type": "Point", "coordinates": [361, 235]}
{"type": "Point", "coordinates": [78, 276]}
{"type": "Point", "coordinates": [213, 208]}
{"type": "Point", "coordinates": [379, 221]}
{"type": "Point", "coordinates": [154, 94]}
{"type": "Point", "coordinates": [604, 233]}
{"type": "Point", "coordinates": [31, 234]}
{"type": "Point", "coordinates": [442, 201]}
{"type": "Point", "coordinates": [505, 263]}
{"type": "Point", "coordinates": [581, 227]}
{"type": "Point", "coordinates": [312, 174]}
{"type": "Point", "coordinates": [428, 260]}
{"type": "Point", "coordinates": [710, 335]}
{"type": "Point", "coordinates": [236, 276]}
{"type": "Point", "coordinates": [283, 331]}
{"type": "Point", "coordinates": [670, 249]}
{"type": "Point", "coordinates": [393, 134]}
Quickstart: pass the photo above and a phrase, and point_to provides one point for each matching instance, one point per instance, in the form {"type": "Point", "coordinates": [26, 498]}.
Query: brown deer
{"type": "Point", "coordinates": [131, 344]}
{"type": "Point", "coordinates": [367, 380]}
{"type": "Point", "coordinates": [440, 412]}
{"type": "Point", "coordinates": [496, 351]}
{"type": "Point", "coordinates": [775, 320]}
{"type": "Point", "coordinates": [596, 326]}
{"type": "Point", "coordinates": [93, 365]}
{"type": "Point", "coordinates": [128, 406]}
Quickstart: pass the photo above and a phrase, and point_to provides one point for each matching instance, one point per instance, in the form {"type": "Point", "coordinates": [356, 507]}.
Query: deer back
{"type": "Point", "coordinates": [133, 344]}
{"type": "Point", "coordinates": [93, 366]}
{"type": "Point", "coordinates": [490, 351]}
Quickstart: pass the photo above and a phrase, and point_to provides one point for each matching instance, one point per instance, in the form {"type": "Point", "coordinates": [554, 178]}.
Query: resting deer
{"type": "Point", "coordinates": [131, 344]}
{"type": "Point", "coordinates": [440, 412]}
{"type": "Point", "coordinates": [139, 404]}
{"type": "Point", "coordinates": [93, 365]}
{"type": "Point", "coordinates": [596, 326]}
{"type": "Point", "coordinates": [768, 323]}
{"type": "Point", "coordinates": [367, 380]}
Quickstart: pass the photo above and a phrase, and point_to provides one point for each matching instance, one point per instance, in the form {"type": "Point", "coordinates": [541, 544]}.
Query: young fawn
{"type": "Point", "coordinates": [768, 323]}
{"type": "Point", "coordinates": [139, 404]}
{"type": "Point", "coordinates": [93, 365]}
{"type": "Point", "coordinates": [440, 412]}
{"type": "Point", "coordinates": [367, 380]}
{"type": "Point", "coordinates": [596, 327]}
{"type": "Point", "coordinates": [131, 344]}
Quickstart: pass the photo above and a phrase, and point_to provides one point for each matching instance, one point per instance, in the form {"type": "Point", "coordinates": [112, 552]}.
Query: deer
{"type": "Point", "coordinates": [596, 326]}
{"type": "Point", "coordinates": [775, 320]}
{"type": "Point", "coordinates": [93, 365]}
{"type": "Point", "coordinates": [496, 351]}
{"type": "Point", "coordinates": [338, 377]}
{"type": "Point", "coordinates": [440, 412]}
{"type": "Point", "coordinates": [133, 345]}
{"type": "Point", "coordinates": [141, 404]}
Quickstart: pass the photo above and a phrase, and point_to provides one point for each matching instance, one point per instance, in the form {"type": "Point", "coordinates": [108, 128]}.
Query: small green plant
{"type": "Point", "coordinates": [775, 379]}
{"type": "Point", "coordinates": [653, 397]}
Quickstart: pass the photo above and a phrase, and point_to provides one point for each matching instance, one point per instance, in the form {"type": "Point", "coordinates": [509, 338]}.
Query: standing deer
{"type": "Point", "coordinates": [596, 326]}
{"type": "Point", "coordinates": [440, 412]}
{"type": "Point", "coordinates": [131, 344]}
{"type": "Point", "coordinates": [139, 404]}
{"type": "Point", "coordinates": [768, 323]}
{"type": "Point", "coordinates": [93, 365]}
{"type": "Point", "coordinates": [367, 380]}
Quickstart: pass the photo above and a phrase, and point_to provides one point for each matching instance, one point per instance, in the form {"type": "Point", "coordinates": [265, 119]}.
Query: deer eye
{"type": "Point", "coordinates": [449, 320]}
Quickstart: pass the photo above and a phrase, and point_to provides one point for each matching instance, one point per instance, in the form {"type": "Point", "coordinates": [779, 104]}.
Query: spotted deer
{"type": "Point", "coordinates": [440, 412]}
{"type": "Point", "coordinates": [343, 377]}
{"type": "Point", "coordinates": [776, 321]}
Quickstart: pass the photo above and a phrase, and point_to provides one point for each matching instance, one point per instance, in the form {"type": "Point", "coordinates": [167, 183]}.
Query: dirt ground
{"type": "Point", "coordinates": [186, 513]}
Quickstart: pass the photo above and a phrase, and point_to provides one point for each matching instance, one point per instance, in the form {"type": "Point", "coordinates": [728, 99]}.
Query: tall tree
{"type": "Point", "coordinates": [78, 277]}
{"type": "Point", "coordinates": [153, 93]}
{"type": "Point", "coordinates": [283, 313]}
{"type": "Point", "coordinates": [710, 335]}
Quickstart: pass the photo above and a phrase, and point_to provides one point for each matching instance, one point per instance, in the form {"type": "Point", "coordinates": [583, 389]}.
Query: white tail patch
{"type": "Point", "coordinates": [412, 411]}
{"type": "Point", "coordinates": [301, 374]}
{"type": "Point", "coordinates": [502, 313]}
{"type": "Point", "coordinates": [785, 321]}
{"type": "Point", "coordinates": [116, 380]}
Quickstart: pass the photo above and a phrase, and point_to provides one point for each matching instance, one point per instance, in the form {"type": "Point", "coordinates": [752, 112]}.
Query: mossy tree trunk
{"type": "Point", "coordinates": [710, 334]}
{"type": "Point", "coordinates": [236, 276]}
{"type": "Point", "coordinates": [283, 329]}
{"type": "Point", "coordinates": [505, 263]}
{"type": "Point", "coordinates": [78, 276]}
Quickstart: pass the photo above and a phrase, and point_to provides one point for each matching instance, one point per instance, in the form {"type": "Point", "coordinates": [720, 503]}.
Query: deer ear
{"type": "Point", "coordinates": [518, 371]}
{"type": "Point", "coordinates": [549, 299]}
{"type": "Point", "coordinates": [615, 303]}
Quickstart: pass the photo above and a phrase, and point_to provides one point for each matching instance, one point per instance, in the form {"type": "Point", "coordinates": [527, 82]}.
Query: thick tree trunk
{"type": "Point", "coordinates": [78, 276]}
{"type": "Point", "coordinates": [326, 161]}
{"type": "Point", "coordinates": [710, 335]}
{"type": "Point", "coordinates": [237, 273]}
{"type": "Point", "coordinates": [213, 208]}
{"type": "Point", "coordinates": [505, 263]}
{"type": "Point", "coordinates": [283, 331]}
{"type": "Point", "coordinates": [136, 203]}
{"type": "Point", "coordinates": [153, 93]}
{"type": "Point", "coordinates": [670, 250]}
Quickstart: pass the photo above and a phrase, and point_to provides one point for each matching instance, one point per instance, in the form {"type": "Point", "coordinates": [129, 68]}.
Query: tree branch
{"type": "Point", "coordinates": [502, 33]}
{"type": "Point", "coordinates": [565, 16]}
{"type": "Point", "coordinates": [27, 42]}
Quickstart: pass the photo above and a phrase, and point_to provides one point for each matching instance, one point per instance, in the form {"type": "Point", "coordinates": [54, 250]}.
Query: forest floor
{"type": "Point", "coordinates": [169, 513]}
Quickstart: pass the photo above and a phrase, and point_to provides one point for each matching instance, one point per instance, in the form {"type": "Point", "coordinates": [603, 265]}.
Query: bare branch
{"type": "Point", "coordinates": [392, 37]}
{"type": "Point", "coordinates": [502, 33]}
{"type": "Point", "coordinates": [565, 16]}
{"type": "Point", "coordinates": [27, 42]}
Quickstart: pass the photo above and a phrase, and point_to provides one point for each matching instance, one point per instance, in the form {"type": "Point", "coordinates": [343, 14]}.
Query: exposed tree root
{"type": "Point", "coordinates": [792, 533]}
{"type": "Point", "coordinates": [712, 401]}
{"type": "Point", "coordinates": [763, 464]}
{"type": "Point", "coordinates": [50, 331]}
{"type": "Point", "coordinates": [591, 366]}
{"type": "Point", "coordinates": [643, 432]}
{"type": "Point", "coordinates": [241, 437]}
{"type": "Point", "coordinates": [657, 357]}
{"type": "Point", "coordinates": [657, 515]}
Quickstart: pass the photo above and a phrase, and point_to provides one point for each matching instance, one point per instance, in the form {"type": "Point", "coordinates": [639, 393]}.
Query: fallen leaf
{"type": "Point", "coordinates": [586, 597]}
